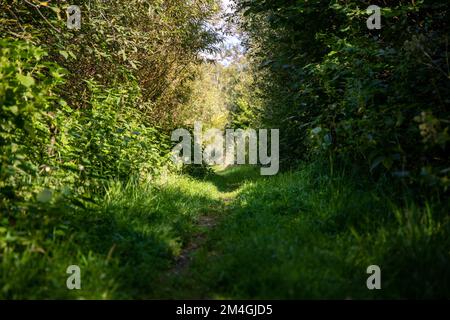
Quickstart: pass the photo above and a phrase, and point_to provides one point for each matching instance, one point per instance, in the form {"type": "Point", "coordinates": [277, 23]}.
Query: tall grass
{"type": "Point", "coordinates": [309, 234]}
{"type": "Point", "coordinates": [123, 244]}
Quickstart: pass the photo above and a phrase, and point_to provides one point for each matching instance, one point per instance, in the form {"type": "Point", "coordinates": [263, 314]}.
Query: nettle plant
{"type": "Point", "coordinates": [28, 104]}
{"type": "Point", "coordinates": [115, 87]}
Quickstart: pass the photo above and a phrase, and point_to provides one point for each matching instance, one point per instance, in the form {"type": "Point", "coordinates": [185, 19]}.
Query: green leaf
{"type": "Point", "coordinates": [44, 196]}
{"type": "Point", "coordinates": [14, 110]}
{"type": "Point", "coordinates": [26, 81]}
{"type": "Point", "coordinates": [64, 53]}
{"type": "Point", "coordinates": [376, 162]}
{"type": "Point", "coordinates": [316, 130]}
{"type": "Point", "coordinates": [387, 163]}
{"type": "Point", "coordinates": [72, 55]}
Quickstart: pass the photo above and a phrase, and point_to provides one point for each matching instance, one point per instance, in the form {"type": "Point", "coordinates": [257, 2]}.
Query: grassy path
{"type": "Point", "coordinates": [233, 234]}
{"type": "Point", "coordinates": [309, 234]}
{"type": "Point", "coordinates": [227, 184]}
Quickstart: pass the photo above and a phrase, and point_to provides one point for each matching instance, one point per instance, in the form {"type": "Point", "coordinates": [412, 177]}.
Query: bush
{"type": "Point", "coordinates": [375, 98]}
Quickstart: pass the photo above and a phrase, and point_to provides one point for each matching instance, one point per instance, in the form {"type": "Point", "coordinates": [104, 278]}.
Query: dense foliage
{"type": "Point", "coordinates": [376, 98]}
{"type": "Point", "coordinates": [85, 171]}
{"type": "Point", "coordinates": [78, 106]}
{"type": "Point", "coordinates": [80, 109]}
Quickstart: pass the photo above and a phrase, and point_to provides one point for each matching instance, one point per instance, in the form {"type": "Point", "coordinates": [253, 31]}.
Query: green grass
{"type": "Point", "coordinates": [122, 245]}
{"type": "Point", "coordinates": [310, 235]}
{"type": "Point", "coordinates": [303, 234]}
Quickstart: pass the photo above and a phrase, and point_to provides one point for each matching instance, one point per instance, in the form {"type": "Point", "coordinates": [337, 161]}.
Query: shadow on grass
{"type": "Point", "coordinates": [232, 178]}
{"type": "Point", "coordinates": [306, 235]}
{"type": "Point", "coordinates": [137, 236]}
{"type": "Point", "coordinates": [123, 247]}
{"type": "Point", "coordinates": [147, 238]}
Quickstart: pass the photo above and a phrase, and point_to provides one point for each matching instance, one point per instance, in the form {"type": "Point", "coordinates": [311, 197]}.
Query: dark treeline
{"type": "Point", "coordinates": [377, 99]}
